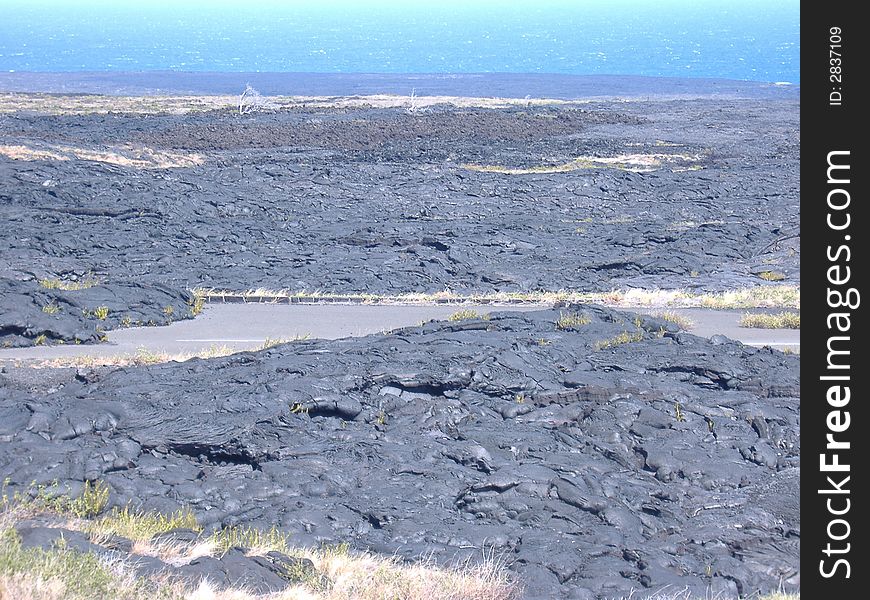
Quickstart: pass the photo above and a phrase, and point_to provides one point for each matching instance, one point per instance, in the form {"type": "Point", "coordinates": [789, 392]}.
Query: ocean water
{"type": "Point", "coordinates": [754, 40]}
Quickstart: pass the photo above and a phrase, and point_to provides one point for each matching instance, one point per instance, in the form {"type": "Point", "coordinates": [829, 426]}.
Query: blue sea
{"type": "Point", "coordinates": [741, 40]}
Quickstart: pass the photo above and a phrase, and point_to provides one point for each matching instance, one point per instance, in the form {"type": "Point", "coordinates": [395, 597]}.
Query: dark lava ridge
{"type": "Point", "coordinates": [613, 456]}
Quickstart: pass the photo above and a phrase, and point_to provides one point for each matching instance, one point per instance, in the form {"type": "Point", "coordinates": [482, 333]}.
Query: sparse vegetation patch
{"type": "Point", "coordinates": [677, 319]}
{"type": "Point", "coordinates": [51, 308]}
{"type": "Point", "coordinates": [141, 526]}
{"type": "Point", "coordinates": [772, 275]}
{"type": "Point", "coordinates": [782, 320]}
{"type": "Point", "coordinates": [252, 539]}
{"type": "Point", "coordinates": [572, 321]}
{"type": "Point", "coordinates": [197, 303]}
{"type": "Point", "coordinates": [53, 283]}
{"type": "Point", "coordinates": [62, 573]}
{"type": "Point", "coordinates": [766, 296]}
{"type": "Point", "coordinates": [618, 340]}
{"type": "Point", "coordinates": [464, 315]}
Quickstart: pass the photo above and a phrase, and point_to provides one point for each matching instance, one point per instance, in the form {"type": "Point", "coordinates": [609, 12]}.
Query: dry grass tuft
{"type": "Point", "coordinates": [51, 308]}
{"type": "Point", "coordinates": [53, 283]}
{"type": "Point", "coordinates": [463, 315]}
{"type": "Point", "coordinates": [677, 319]}
{"type": "Point", "coordinates": [139, 526]}
{"type": "Point", "coordinates": [24, 585]}
{"type": "Point", "coordinates": [767, 296]}
{"type": "Point", "coordinates": [368, 577]}
{"type": "Point", "coordinates": [618, 340]}
{"type": "Point", "coordinates": [783, 320]}
{"type": "Point", "coordinates": [92, 501]}
{"type": "Point", "coordinates": [196, 304]}
{"type": "Point", "coordinates": [59, 572]}
{"type": "Point", "coordinates": [101, 313]}
{"type": "Point", "coordinates": [255, 541]}
{"type": "Point", "coordinates": [572, 321]}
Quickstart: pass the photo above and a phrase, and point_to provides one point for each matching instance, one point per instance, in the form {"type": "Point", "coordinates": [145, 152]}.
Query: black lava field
{"type": "Point", "coordinates": [597, 452]}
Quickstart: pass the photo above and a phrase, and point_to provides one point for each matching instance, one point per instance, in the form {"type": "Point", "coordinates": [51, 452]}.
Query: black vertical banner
{"type": "Point", "coordinates": [834, 171]}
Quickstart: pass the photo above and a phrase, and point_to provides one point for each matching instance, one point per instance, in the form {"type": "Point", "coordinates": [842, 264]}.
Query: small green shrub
{"type": "Point", "coordinates": [463, 315]}
{"type": "Point", "coordinates": [618, 340]}
{"type": "Point", "coordinates": [572, 321]}
{"type": "Point", "coordinates": [196, 304]}
{"type": "Point", "coordinates": [51, 308]}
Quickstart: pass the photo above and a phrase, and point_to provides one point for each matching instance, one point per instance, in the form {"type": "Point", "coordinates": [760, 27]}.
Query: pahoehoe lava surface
{"type": "Point", "coordinates": [615, 455]}
{"type": "Point", "coordinates": [31, 313]}
{"type": "Point", "coordinates": [376, 200]}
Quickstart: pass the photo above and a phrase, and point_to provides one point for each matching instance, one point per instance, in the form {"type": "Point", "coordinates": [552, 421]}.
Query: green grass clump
{"type": "Point", "coordinates": [463, 315]}
{"type": "Point", "coordinates": [101, 312]}
{"type": "Point", "coordinates": [250, 538]}
{"type": "Point", "coordinates": [51, 308]}
{"type": "Point", "coordinates": [142, 526]}
{"type": "Point", "coordinates": [90, 503]}
{"type": "Point", "coordinates": [60, 572]}
{"type": "Point", "coordinates": [196, 304]}
{"type": "Point", "coordinates": [783, 320]}
{"type": "Point", "coordinates": [772, 296]}
{"type": "Point", "coordinates": [572, 321]}
{"type": "Point", "coordinates": [618, 340]}
{"type": "Point", "coordinates": [53, 283]}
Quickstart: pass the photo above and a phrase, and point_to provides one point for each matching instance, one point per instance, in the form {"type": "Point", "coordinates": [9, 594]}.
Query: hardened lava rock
{"type": "Point", "coordinates": [611, 455]}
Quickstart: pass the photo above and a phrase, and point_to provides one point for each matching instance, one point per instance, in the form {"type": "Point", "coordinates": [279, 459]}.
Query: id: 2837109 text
{"type": "Point", "coordinates": [835, 69]}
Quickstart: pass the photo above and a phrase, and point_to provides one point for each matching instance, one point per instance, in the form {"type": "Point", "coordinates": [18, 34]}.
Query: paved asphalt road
{"type": "Point", "coordinates": [247, 326]}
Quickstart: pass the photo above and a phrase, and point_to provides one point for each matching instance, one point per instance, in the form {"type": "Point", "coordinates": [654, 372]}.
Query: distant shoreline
{"type": "Point", "coordinates": [503, 85]}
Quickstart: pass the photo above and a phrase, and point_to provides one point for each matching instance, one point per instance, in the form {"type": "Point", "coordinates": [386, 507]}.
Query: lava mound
{"type": "Point", "coordinates": [597, 451]}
